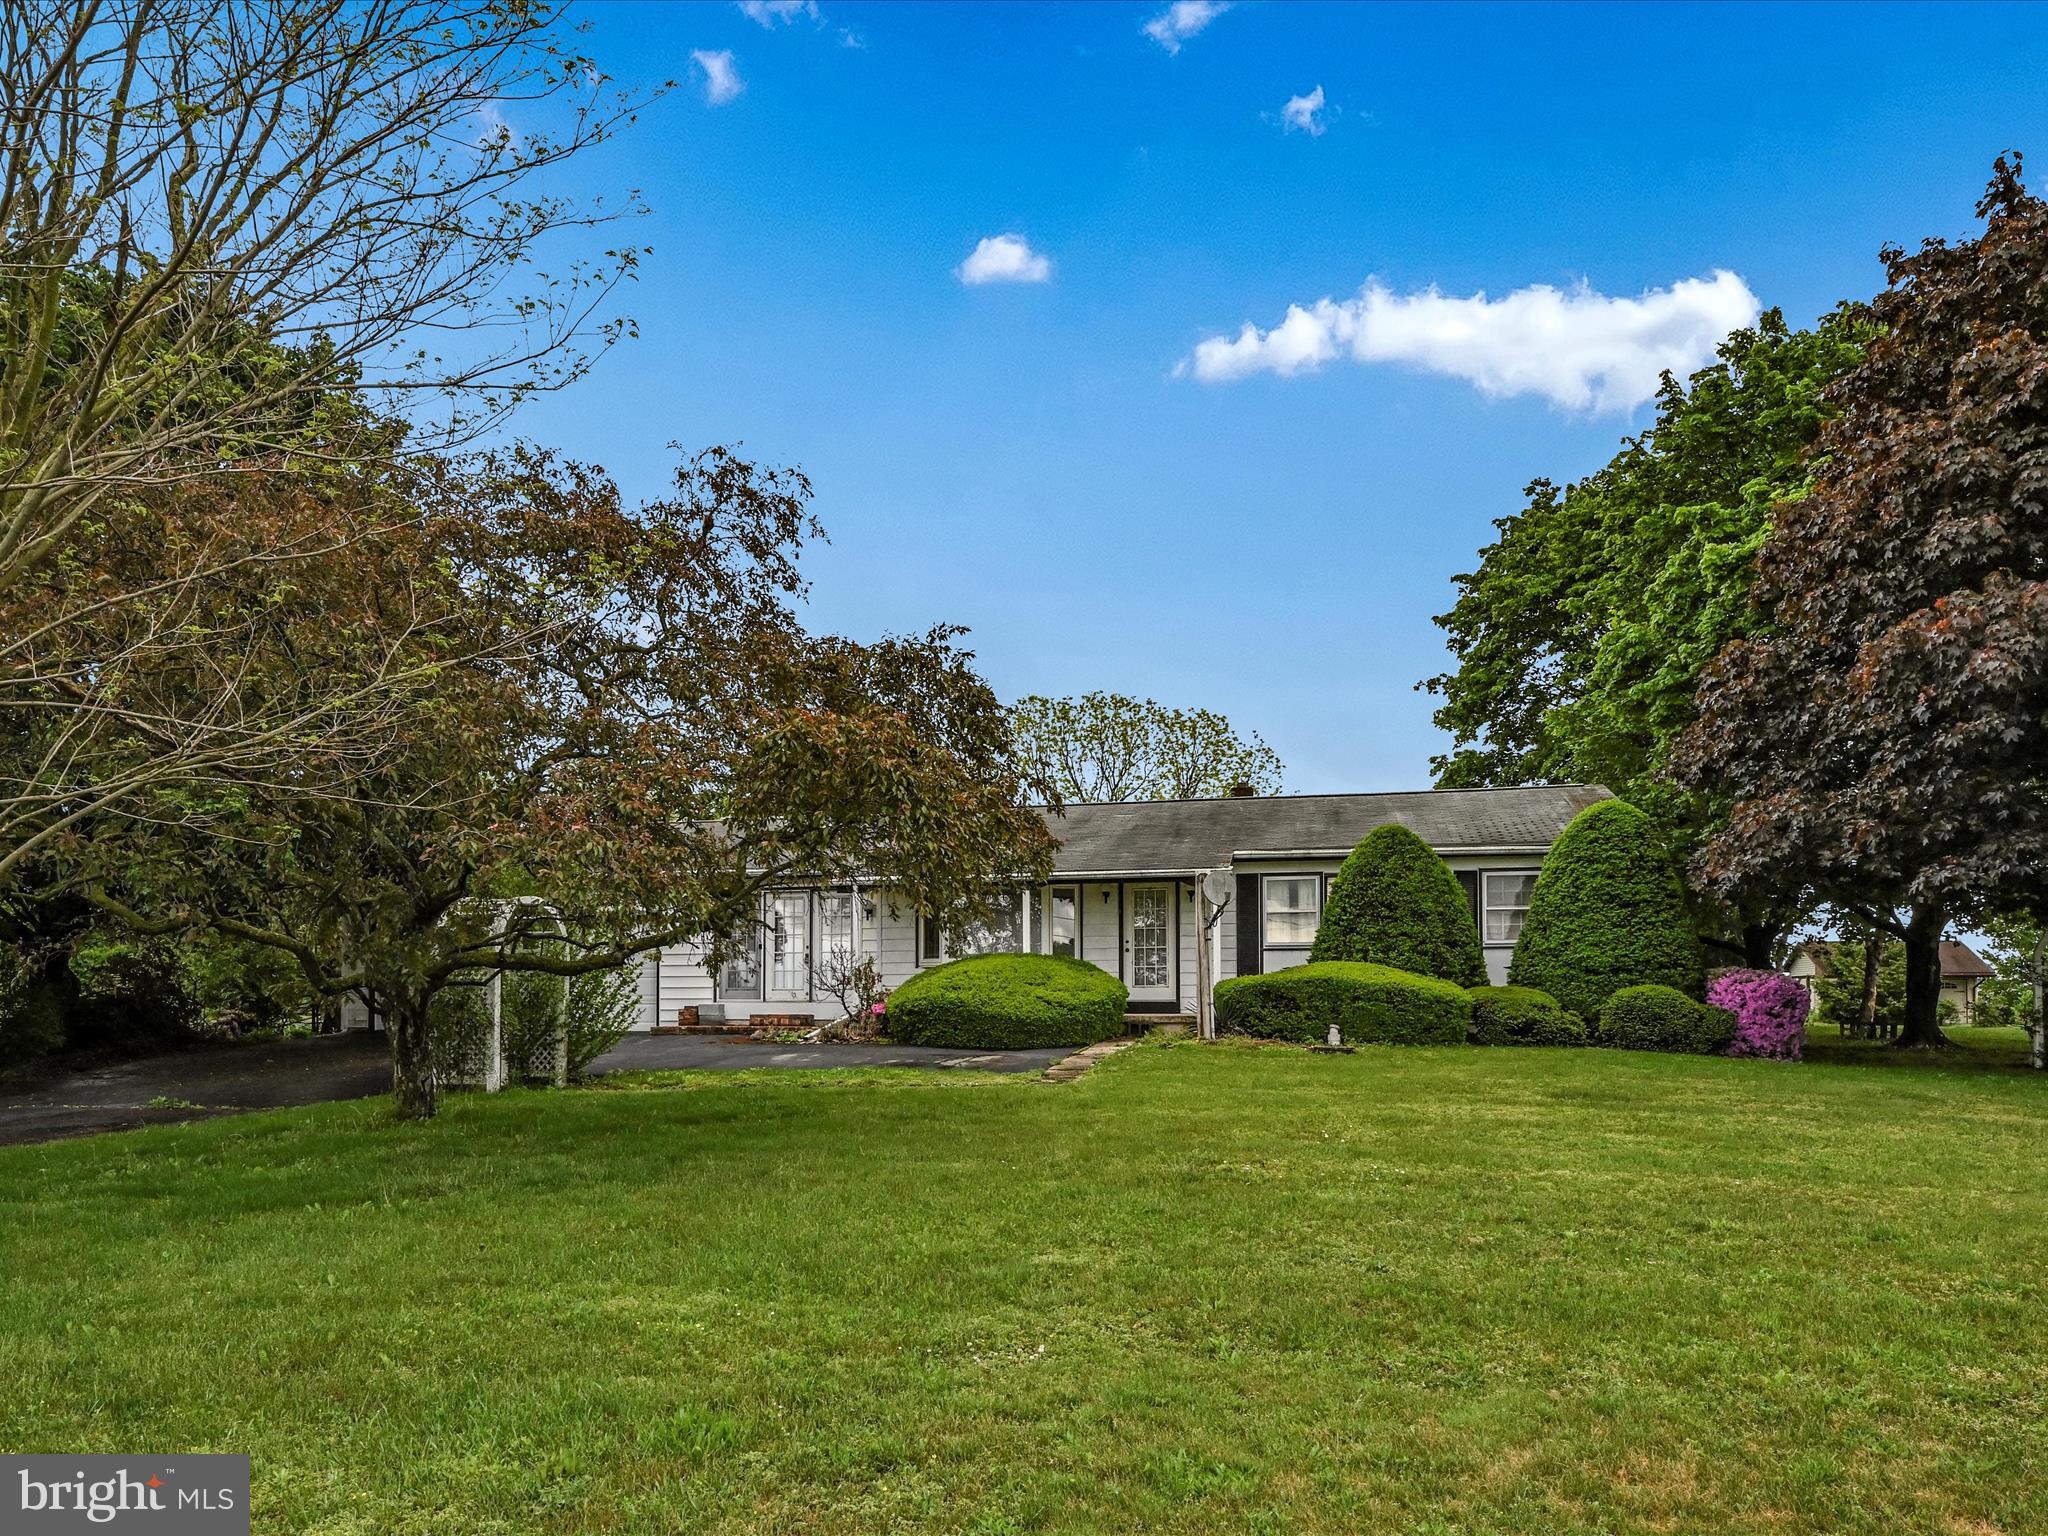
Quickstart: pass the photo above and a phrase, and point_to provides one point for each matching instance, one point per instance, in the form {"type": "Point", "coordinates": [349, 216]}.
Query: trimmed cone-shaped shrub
{"type": "Point", "coordinates": [1369, 1004]}
{"type": "Point", "coordinates": [1770, 1013]}
{"type": "Point", "coordinates": [1608, 912]}
{"type": "Point", "coordinates": [1522, 1016]}
{"type": "Point", "coordinates": [1008, 1003]}
{"type": "Point", "coordinates": [1654, 1018]}
{"type": "Point", "coordinates": [1396, 903]}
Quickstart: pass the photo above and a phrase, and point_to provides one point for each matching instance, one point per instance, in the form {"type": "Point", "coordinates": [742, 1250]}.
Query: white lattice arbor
{"type": "Point", "coordinates": [480, 1059]}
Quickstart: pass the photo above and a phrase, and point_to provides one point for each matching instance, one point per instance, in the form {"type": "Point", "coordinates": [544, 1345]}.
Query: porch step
{"type": "Point", "coordinates": [1159, 1023]}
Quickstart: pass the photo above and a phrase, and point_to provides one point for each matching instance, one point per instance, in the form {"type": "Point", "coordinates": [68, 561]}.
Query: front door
{"type": "Point", "coordinates": [1148, 945]}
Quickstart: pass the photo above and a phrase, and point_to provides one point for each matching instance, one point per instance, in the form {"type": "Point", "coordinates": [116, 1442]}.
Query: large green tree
{"type": "Point", "coordinates": [1883, 738]}
{"type": "Point", "coordinates": [1581, 636]}
{"type": "Point", "coordinates": [1109, 746]}
{"type": "Point", "coordinates": [626, 723]}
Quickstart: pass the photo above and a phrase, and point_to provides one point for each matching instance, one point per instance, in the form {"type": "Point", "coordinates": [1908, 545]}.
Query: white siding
{"type": "Point", "coordinates": [677, 977]}
{"type": "Point", "coordinates": [1102, 927]}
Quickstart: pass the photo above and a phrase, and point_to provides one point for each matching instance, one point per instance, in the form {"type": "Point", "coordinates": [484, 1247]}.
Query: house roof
{"type": "Point", "coordinates": [1961, 960]}
{"type": "Point", "coordinates": [1958, 960]}
{"type": "Point", "coordinates": [1187, 836]}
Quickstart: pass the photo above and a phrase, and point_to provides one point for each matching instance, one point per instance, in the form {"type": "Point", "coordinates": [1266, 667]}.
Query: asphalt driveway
{"type": "Point", "coordinates": [192, 1085]}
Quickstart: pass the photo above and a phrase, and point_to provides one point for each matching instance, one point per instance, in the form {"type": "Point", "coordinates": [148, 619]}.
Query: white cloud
{"type": "Point", "coordinates": [1305, 113]}
{"type": "Point", "coordinates": [722, 80]}
{"type": "Point", "coordinates": [1004, 259]}
{"type": "Point", "coordinates": [493, 130]}
{"type": "Point", "coordinates": [1578, 349]}
{"type": "Point", "coordinates": [774, 13]}
{"type": "Point", "coordinates": [1182, 20]}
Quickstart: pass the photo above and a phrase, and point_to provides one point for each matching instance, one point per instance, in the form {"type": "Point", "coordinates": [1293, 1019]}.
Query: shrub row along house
{"type": "Point", "coordinates": [1169, 896]}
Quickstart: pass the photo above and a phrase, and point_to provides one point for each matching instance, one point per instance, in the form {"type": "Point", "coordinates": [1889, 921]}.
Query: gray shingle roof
{"type": "Point", "coordinates": [1175, 836]}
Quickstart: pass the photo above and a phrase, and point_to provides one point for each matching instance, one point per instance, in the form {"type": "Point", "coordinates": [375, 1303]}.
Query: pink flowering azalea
{"type": "Point", "coordinates": [1770, 1012]}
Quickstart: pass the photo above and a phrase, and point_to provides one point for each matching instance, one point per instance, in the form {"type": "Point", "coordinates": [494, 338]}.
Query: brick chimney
{"type": "Point", "coordinates": [1242, 792]}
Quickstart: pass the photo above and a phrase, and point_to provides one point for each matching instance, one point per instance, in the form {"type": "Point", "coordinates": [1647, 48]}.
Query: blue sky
{"type": "Point", "coordinates": [1042, 462]}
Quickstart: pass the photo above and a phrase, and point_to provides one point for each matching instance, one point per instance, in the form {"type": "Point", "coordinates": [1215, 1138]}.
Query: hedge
{"type": "Point", "coordinates": [1654, 1018]}
{"type": "Point", "coordinates": [1608, 912]}
{"type": "Point", "coordinates": [1370, 1004]}
{"type": "Point", "coordinates": [1396, 903]}
{"type": "Point", "coordinates": [1008, 1003]}
{"type": "Point", "coordinates": [1522, 1016]}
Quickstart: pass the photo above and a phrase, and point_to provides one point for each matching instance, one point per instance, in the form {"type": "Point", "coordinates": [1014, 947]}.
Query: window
{"type": "Point", "coordinates": [740, 981]}
{"type": "Point", "coordinates": [1063, 916]}
{"type": "Point", "coordinates": [835, 924]}
{"type": "Point", "coordinates": [1293, 909]}
{"type": "Point", "coordinates": [1002, 934]}
{"type": "Point", "coordinates": [1507, 903]}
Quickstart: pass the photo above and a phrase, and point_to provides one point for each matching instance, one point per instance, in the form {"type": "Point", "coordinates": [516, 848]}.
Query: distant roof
{"type": "Point", "coordinates": [1185, 836]}
{"type": "Point", "coordinates": [1957, 958]}
{"type": "Point", "coordinates": [1961, 960]}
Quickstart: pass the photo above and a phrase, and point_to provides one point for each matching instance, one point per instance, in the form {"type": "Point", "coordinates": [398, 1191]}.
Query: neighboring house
{"type": "Point", "coordinates": [1129, 893]}
{"type": "Point", "coordinates": [1962, 971]}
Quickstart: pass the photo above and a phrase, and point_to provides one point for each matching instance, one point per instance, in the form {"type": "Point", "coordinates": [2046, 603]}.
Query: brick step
{"type": "Point", "coordinates": [738, 1027]}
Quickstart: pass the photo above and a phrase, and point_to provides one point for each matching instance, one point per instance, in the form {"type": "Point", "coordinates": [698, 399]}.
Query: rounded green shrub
{"type": "Point", "coordinates": [1008, 1003]}
{"type": "Point", "coordinates": [1396, 903]}
{"type": "Point", "coordinates": [1370, 1004]}
{"type": "Point", "coordinates": [1608, 912]}
{"type": "Point", "coordinates": [1654, 1018]}
{"type": "Point", "coordinates": [1522, 1016]}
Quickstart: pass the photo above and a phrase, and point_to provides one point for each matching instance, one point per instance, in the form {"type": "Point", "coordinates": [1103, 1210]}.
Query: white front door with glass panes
{"type": "Point", "coordinates": [1148, 944]}
{"type": "Point", "coordinates": [789, 945]}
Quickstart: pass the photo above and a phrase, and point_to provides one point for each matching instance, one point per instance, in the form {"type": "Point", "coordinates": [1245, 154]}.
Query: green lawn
{"type": "Point", "coordinates": [1204, 1288]}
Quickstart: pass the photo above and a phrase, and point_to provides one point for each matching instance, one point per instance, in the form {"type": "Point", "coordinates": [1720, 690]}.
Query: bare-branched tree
{"type": "Point", "coordinates": [255, 257]}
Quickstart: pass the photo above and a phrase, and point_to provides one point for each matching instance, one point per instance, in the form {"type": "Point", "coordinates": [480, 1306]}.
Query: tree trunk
{"type": "Point", "coordinates": [1873, 960]}
{"type": "Point", "coordinates": [412, 1062]}
{"type": "Point", "coordinates": [1758, 939]}
{"type": "Point", "coordinates": [1922, 1029]}
{"type": "Point", "coordinates": [2040, 975]}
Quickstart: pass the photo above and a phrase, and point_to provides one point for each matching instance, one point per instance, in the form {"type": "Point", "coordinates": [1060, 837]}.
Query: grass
{"type": "Point", "coordinates": [1203, 1288]}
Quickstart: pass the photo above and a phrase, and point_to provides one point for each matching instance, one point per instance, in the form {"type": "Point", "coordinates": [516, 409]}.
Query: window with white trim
{"type": "Point", "coordinates": [1293, 907]}
{"type": "Point", "coordinates": [1063, 915]}
{"type": "Point", "coordinates": [1504, 898]}
{"type": "Point", "coordinates": [1003, 934]}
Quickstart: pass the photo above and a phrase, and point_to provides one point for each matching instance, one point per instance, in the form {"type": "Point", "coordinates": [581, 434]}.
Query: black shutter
{"type": "Point", "coordinates": [1469, 878]}
{"type": "Point", "coordinates": [1250, 955]}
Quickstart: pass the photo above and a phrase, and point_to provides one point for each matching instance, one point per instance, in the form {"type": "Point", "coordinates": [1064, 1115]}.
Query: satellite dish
{"type": "Point", "coordinates": [1218, 885]}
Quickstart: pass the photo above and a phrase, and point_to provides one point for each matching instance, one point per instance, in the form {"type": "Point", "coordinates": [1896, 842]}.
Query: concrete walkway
{"type": "Point", "coordinates": [222, 1080]}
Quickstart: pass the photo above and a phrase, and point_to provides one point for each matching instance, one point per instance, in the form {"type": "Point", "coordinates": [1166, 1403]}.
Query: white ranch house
{"type": "Point", "coordinates": [1131, 892]}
